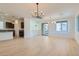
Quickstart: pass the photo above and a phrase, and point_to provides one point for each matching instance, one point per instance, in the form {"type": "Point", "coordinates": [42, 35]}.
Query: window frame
{"type": "Point", "coordinates": [3, 24]}
{"type": "Point", "coordinates": [61, 22]}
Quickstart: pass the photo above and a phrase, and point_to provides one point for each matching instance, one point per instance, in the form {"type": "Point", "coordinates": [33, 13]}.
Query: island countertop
{"type": "Point", "coordinates": [6, 30]}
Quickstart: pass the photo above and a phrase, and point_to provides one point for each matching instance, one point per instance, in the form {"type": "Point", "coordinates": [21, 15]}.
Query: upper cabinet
{"type": "Point", "coordinates": [9, 25]}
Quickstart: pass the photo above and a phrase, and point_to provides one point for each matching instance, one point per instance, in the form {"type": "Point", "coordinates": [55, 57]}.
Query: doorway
{"type": "Point", "coordinates": [45, 29]}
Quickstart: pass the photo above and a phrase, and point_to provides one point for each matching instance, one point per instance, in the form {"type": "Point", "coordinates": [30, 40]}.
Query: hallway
{"type": "Point", "coordinates": [43, 46]}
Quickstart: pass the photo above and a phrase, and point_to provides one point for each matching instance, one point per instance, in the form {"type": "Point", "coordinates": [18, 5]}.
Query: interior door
{"type": "Point", "coordinates": [45, 29]}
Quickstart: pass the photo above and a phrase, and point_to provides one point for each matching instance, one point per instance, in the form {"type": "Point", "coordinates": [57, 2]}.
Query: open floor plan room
{"type": "Point", "coordinates": [39, 29]}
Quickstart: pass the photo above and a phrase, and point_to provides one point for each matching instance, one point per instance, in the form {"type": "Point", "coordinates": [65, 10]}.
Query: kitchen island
{"type": "Point", "coordinates": [6, 35]}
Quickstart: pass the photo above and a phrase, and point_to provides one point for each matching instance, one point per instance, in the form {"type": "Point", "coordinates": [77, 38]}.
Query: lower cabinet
{"type": "Point", "coordinates": [6, 35]}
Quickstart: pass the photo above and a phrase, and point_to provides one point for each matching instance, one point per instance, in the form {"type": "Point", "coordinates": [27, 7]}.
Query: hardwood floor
{"type": "Point", "coordinates": [39, 46]}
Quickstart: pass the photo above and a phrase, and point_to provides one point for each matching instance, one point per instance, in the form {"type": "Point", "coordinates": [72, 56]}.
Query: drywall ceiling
{"type": "Point", "coordinates": [49, 9]}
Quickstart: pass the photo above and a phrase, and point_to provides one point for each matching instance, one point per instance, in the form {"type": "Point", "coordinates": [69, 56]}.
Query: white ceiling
{"type": "Point", "coordinates": [49, 9]}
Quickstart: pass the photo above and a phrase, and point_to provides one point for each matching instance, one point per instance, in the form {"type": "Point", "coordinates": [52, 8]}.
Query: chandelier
{"type": "Point", "coordinates": [37, 13]}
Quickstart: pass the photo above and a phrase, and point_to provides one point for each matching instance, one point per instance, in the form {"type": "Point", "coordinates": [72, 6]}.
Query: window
{"type": "Point", "coordinates": [1, 24]}
{"type": "Point", "coordinates": [62, 26]}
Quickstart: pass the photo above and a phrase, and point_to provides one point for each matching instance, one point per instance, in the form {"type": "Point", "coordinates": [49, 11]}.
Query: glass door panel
{"type": "Point", "coordinates": [45, 29]}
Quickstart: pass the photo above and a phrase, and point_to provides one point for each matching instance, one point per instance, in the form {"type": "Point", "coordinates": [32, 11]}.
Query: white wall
{"type": "Point", "coordinates": [52, 32]}
{"type": "Point", "coordinates": [35, 27]}
{"type": "Point", "coordinates": [32, 27]}
{"type": "Point", "coordinates": [26, 28]}
{"type": "Point", "coordinates": [71, 28]}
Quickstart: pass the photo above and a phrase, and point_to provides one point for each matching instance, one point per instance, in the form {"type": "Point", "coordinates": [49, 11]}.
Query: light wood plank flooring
{"type": "Point", "coordinates": [39, 46]}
